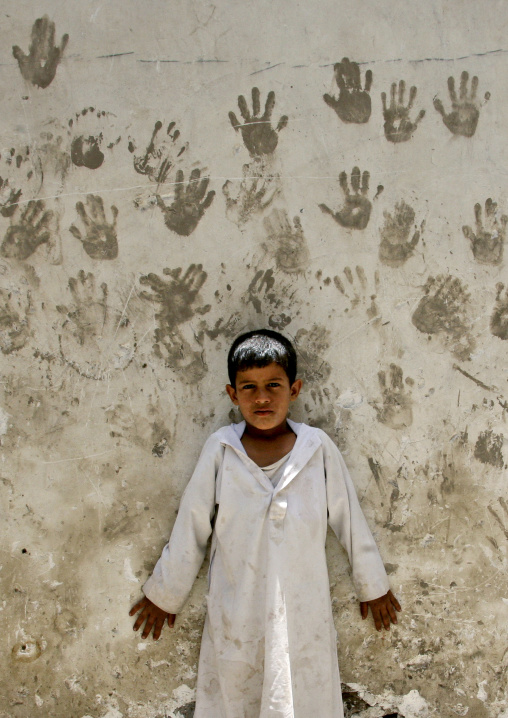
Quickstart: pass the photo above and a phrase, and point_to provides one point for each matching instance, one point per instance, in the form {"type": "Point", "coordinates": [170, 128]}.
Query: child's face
{"type": "Point", "coordinates": [263, 395]}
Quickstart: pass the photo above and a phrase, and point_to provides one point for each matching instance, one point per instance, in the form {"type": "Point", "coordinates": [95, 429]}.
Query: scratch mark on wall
{"type": "Point", "coordinates": [474, 379]}
{"type": "Point", "coordinates": [264, 69]}
{"type": "Point", "coordinates": [116, 54]}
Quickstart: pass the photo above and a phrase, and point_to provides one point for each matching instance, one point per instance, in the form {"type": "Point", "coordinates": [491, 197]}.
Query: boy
{"type": "Point", "coordinates": [269, 643]}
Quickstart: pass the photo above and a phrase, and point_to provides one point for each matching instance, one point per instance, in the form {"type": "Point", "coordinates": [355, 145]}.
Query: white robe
{"type": "Point", "coordinates": [269, 646]}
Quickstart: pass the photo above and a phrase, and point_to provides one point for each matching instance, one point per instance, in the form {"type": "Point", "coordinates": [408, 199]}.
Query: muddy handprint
{"type": "Point", "coordinates": [499, 318]}
{"type": "Point", "coordinates": [355, 213]}
{"type": "Point", "coordinates": [9, 198]}
{"type": "Point", "coordinates": [189, 203]}
{"type": "Point", "coordinates": [353, 103]}
{"type": "Point", "coordinates": [272, 297]}
{"type": "Point", "coordinates": [95, 339]}
{"type": "Point", "coordinates": [398, 126]}
{"type": "Point", "coordinates": [88, 312]}
{"type": "Point", "coordinates": [258, 135]}
{"type": "Point", "coordinates": [100, 240]}
{"type": "Point", "coordinates": [256, 192]}
{"type": "Point", "coordinates": [360, 293]}
{"type": "Point", "coordinates": [175, 298]}
{"type": "Point", "coordinates": [396, 247]}
{"type": "Point", "coordinates": [39, 66]}
{"type": "Point", "coordinates": [444, 310]}
{"type": "Point", "coordinates": [21, 176]}
{"type": "Point", "coordinates": [465, 112]}
{"type": "Point", "coordinates": [286, 243]}
{"type": "Point", "coordinates": [311, 344]}
{"type": "Point", "coordinates": [487, 240]}
{"type": "Point", "coordinates": [161, 153]}
{"type": "Point", "coordinates": [91, 130]}
{"type": "Point", "coordinates": [28, 232]}
{"type": "Point", "coordinates": [14, 324]}
{"type": "Point", "coordinates": [395, 408]}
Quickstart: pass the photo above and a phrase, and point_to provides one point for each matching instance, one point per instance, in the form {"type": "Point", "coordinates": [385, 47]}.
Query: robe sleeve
{"type": "Point", "coordinates": [175, 572]}
{"type": "Point", "coordinates": [347, 521]}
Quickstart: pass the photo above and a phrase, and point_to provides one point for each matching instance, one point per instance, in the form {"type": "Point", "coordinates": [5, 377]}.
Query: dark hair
{"type": "Point", "coordinates": [260, 348]}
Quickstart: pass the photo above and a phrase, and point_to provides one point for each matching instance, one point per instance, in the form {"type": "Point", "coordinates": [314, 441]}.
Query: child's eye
{"type": "Point", "coordinates": [274, 383]}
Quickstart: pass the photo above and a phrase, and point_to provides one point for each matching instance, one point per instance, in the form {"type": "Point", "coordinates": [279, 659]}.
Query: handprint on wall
{"type": "Point", "coordinates": [21, 176]}
{"type": "Point", "coordinates": [465, 112]}
{"type": "Point", "coordinates": [499, 318]}
{"type": "Point", "coordinates": [395, 408]}
{"type": "Point", "coordinates": [258, 135]}
{"type": "Point", "coordinates": [189, 203]}
{"type": "Point", "coordinates": [353, 103]}
{"type": "Point", "coordinates": [39, 66]}
{"type": "Point", "coordinates": [396, 247]}
{"type": "Point", "coordinates": [487, 240]}
{"type": "Point", "coordinates": [161, 153]}
{"type": "Point", "coordinates": [286, 243]}
{"type": "Point", "coordinates": [176, 298]}
{"type": "Point", "coordinates": [27, 233]}
{"type": "Point", "coordinates": [272, 298]}
{"type": "Point", "coordinates": [91, 131]}
{"type": "Point", "coordinates": [256, 192]}
{"type": "Point", "coordinates": [398, 126]}
{"type": "Point", "coordinates": [355, 212]}
{"type": "Point", "coordinates": [9, 198]}
{"type": "Point", "coordinates": [100, 240]}
{"type": "Point", "coordinates": [360, 292]}
{"type": "Point", "coordinates": [14, 324]}
{"type": "Point", "coordinates": [444, 310]}
{"type": "Point", "coordinates": [94, 339]}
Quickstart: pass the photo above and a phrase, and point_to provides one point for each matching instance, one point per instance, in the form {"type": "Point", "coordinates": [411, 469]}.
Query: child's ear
{"type": "Point", "coordinates": [295, 389]}
{"type": "Point", "coordinates": [232, 394]}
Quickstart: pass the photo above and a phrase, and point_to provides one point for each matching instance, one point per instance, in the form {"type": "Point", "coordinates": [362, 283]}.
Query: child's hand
{"type": "Point", "coordinates": [382, 610]}
{"type": "Point", "coordinates": [154, 617]}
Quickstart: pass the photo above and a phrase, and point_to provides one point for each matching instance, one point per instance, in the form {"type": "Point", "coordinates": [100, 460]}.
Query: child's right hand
{"type": "Point", "coordinates": [154, 617]}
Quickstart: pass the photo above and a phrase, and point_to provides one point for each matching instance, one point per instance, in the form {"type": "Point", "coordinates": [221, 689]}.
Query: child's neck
{"type": "Point", "coordinates": [265, 447]}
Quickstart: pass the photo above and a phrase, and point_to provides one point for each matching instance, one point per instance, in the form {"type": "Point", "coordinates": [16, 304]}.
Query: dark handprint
{"type": "Point", "coordinates": [353, 103]}
{"type": "Point", "coordinates": [258, 135]}
{"type": "Point", "coordinates": [286, 243]}
{"type": "Point", "coordinates": [160, 154]}
{"type": "Point", "coordinates": [22, 238]}
{"type": "Point", "coordinates": [398, 127]}
{"type": "Point", "coordinates": [395, 407]}
{"type": "Point", "coordinates": [175, 298]}
{"type": "Point", "coordinates": [100, 240]}
{"type": "Point", "coordinates": [396, 247]}
{"type": "Point", "coordinates": [257, 190]}
{"type": "Point", "coordinates": [355, 213]}
{"type": "Point", "coordinates": [39, 66]}
{"type": "Point", "coordinates": [8, 198]}
{"type": "Point", "coordinates": [499, 318]}
{"type": "Point", "coordinates": [488, 241]}
{"type": "Point", "coordinates": [463, 118]}
{"type": "Point", "coordinates": [189, 204]}
{"type": "Point", "coordinates": [14, 321]}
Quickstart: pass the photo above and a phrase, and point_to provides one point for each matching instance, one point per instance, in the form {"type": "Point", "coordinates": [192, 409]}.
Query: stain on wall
{"type": "Point", "coordinates": [171, 176]}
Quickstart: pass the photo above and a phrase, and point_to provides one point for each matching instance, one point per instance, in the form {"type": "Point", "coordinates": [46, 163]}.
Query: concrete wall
{"type": "Point", "coordinates": [143, 226]}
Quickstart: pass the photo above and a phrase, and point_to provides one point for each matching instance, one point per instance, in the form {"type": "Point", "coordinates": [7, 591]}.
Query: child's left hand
{"type": "Point", "coordinates": [382, 610]}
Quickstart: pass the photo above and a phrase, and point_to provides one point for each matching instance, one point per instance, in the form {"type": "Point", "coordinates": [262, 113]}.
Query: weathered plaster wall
{"type": "Point", "coordinates": [142, 228]}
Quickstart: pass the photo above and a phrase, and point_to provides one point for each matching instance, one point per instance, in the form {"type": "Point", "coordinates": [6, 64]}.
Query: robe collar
{"type": "Point", "coordinates": [306, 444]}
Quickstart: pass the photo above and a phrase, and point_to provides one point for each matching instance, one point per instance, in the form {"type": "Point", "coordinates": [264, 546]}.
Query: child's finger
{"type": "Point", "coordinates": [394, 601]}
{"type": "Point", "coordinates": [364, 609]}
{"type": "Point", "coordinates": [148, 627]}
{"type": "Point", "coordinates": [137, 607]}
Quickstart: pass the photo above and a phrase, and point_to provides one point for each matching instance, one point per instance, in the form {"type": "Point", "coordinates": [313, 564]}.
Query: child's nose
{"type": "Point", "coordinates": [262, 396]}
